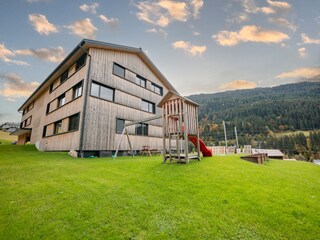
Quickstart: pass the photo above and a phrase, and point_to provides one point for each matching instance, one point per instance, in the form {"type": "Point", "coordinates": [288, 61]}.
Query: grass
{"type": "Point", "coordinates": [53, 196]}
{"type": "Point", "coordinates": [6, 138]}
{"type": "Point", "coordinates": [281, 134]}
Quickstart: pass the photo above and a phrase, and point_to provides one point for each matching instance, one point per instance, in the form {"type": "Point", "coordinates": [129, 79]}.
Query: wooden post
{"type": "Point", "coordinates": [186, 139]}
{"type": "Point", "coordinates": [164, 123]}
{"type": "Point", "coordinates": [198, 135]}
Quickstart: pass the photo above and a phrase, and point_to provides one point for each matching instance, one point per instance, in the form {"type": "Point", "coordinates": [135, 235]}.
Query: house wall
{"type": "Point", "coordinates": [100, 123]}
{"type": "Point", "coordinates": [40, 117]}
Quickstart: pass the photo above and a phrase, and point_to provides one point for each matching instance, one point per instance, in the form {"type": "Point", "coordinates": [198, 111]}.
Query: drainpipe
{"type": "Point", "coordinates": [81, 153]}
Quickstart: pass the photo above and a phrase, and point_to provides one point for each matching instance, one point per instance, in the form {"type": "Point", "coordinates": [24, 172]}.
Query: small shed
{"type": "Point", "coordinates": [272, 153]}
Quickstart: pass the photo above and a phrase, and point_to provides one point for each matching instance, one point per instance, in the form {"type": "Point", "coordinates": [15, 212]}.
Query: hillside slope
{"type": "Point", "coordinates": [285, 107]}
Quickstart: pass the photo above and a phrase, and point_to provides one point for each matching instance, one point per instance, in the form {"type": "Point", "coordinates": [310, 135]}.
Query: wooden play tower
{"type": "Point", "coordinates": [180, 126]}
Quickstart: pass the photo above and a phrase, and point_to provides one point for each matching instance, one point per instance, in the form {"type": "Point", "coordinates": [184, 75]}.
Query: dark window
{"type": "Point", "coordinates": [44, 132]}
{"type": "Point", "coordinates": [48, 108]}
{"type": "Point", "coordinates": [119, 125]}
{"type": "Point", "coordinates": [57, 127]}
{"type": "Point", "coordinates": [51, 88]}
{"type": "Point", "coordinates": [141, 81]}
{"type": "Point", "coordinates": [81, 61]}
{"type": "Point", "coordinates": [64, 76]}
{"type": "Point", "coordinates": [74, 122]}
{"type": "Point", "coordinates": [61, 100]}
{"type": "Point", "coordinates": [142, 129]}
{"type": "Point", "coordinates": [118, 70]}
{"type": "Point", "coordinates": [157, 89]}
{"type": "Point", "coordinates": [28, 121]}
{"type": "Point", "coordinates": [148, 106]}
{"type": "Point", "coordinates": [24, 111]}
{"type": "Point", "coordinates": [77, 90]}
{"type": "Point", "coordinates": [102, 91]}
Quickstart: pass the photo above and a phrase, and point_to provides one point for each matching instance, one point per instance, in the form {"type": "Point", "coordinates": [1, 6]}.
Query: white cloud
{"type": "Point", "coordinates": [90, 8]}
{"type": "Point", "coordinates": [249, 34]}
{"type": "Point", "coordinates": [195, 33]}
{"type": "Point", "coordinates": [158, 31]}
{"type": "Point", "coordinates": [42, 25]}
{"type": "Point", "coordinates": [283, 22]}
{"type": "Point", "coordinates": [15, 87]}
{"type": "Point", "coordinates": [83, 28]}
{"type": "Point", "coordinates": [302, 52]}
{"type": "Point", "coordinates": [302, 73]}
{"type": "Point", "coordinates": [48, 54]}
{"type": "Point", "coordinates": [162, 12]}
{"type": "Point", "coordinates": [110, 21]}
{"type": "Point", "coordinates": [308, 40]}
{"type": "Point", "coordinates": [189, 48]}
{"type": "Point", "coordinates": [6, 54]}
{"type": "Point", "coordinates": [196, 6]}
{"type": "Point", "coordinates": [282, 5]}
{"type": "Point", "coordinates": [239, 18]}
{"type": "Point", "coordinates": [249, 6]}
{"type": "Point", "coordinates": [238, 84]}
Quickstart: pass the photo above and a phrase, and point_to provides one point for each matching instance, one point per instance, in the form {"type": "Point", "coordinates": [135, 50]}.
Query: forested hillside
{"type": "Point", "coordinates": [257, 113]}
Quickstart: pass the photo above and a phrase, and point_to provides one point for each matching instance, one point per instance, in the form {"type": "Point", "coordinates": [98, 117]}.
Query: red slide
{"type": "Point", "coordinates": [207, 152]}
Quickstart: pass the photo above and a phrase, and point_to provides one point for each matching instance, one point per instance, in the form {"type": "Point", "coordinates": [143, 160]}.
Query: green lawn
{"type": "Point", "coordinates": [53, 196]}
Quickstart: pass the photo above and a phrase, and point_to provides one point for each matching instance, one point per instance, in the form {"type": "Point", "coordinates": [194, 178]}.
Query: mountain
{"type": "Point", "coordinates": [260, 110]}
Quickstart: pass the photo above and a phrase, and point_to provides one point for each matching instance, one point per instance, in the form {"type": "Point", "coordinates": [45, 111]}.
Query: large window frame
{"type": "Point", "coordinates": [77, 90]}
{"type": "Point", "coordinates": [61, 100]}
{"type": "Point", "coordinates": [102, 91]}
{"type": "Point", "coordinates": [157, 89]}
{"type": "Point", "coordinates": [148, 106]}
{"type": "Point", "coordinates": [141, 81]}
{"type": "Point", "coordinates": [142, 129]}
{"type": "Point", "coordinates": [120, 125]}
{"type": "Point", "coordinates": [57, 127]}
{"type": "Point", "coordinates": [81, 62]}
{"type": "Point", "coordinates": [74, 121]}
{"type": "Point", "coordinates": [119, 70]}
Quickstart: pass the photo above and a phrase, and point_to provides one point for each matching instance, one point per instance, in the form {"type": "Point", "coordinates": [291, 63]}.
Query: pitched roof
{"type": "Point", "coordinates": [170, 94]}
{"type": "Point", "coordinates": [85, 44]}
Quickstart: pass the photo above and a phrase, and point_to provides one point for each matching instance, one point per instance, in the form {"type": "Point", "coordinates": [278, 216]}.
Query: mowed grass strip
{"type": "Point", "coordinates": [53, 196]}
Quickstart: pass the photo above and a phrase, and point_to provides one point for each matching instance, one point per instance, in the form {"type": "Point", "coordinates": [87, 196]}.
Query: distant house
{"type": "Point", "coordinates": [9, 127]}
{"type": "Point", "coordinates": [272, 153]}
{"type": "Point", "coordinates": [86, 101]}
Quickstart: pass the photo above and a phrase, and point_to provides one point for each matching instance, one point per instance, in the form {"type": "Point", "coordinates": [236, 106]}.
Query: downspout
{"type": "Point", "coordinates": [81, 153]}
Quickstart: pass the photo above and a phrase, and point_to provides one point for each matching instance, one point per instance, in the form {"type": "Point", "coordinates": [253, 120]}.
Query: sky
{"type": "Point", "coordinates": [200, 46]}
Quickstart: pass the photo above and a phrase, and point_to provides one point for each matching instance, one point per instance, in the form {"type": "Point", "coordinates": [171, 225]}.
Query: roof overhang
{"type": "Point", "coordinates": [21, 131]}
{"type": "Point", "coordinates": [85, 44]}
{"type": "Point", "coordinates": [171, 94]}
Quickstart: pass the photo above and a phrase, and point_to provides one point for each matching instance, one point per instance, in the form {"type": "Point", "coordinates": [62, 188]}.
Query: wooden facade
{"type": "Point", "coordinates": [78, 106]}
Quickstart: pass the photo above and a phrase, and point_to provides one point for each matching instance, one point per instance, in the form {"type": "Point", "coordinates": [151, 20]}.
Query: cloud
{"type": "Point", "coordinates": [48, 54]}
{"type": "Point", "coordinates": [283, 23]}
{"type": "Point", "coordinates": [196, 6]}
{"type": "Point", "coordinates": [308, 40]}
{"type": "Point", "coordinates": [189, 48]}
{"type": "Point", "coordinates": [238, 84]}
{"type": "Point", "coordinates": [33, 1]}
{"type": "Point", "coordinates": [249, 34]}
{"type": "Point", "coordinates": [195, 33]}
{"type": "Point", "coordinates": [6, 54]}
{"type": "Point", "coordinates": [83, 28]}
{"type": "Point", "coordinates": [158, 31]}
{"type": "Point", "coordinates": [302, 52]}
{"type": "Point", "coordinates": [239, 18]}
{"type": "Point", "coordinates": [282, 5]}
{"type": "Point", "coordinates": [249, 6]}
{"type": "Point", "coordinates": [110, 21]}
{"type": "Point", "coordinates": [302, 73]}
{"type": "Point", "coordinates": [42, 25]}
{"type": "Point", "coordinates": [162, 12]}
{"type": "Point", "coordinates": [15, 87]}
{"type": "Point", "coordinates": [90, 8]}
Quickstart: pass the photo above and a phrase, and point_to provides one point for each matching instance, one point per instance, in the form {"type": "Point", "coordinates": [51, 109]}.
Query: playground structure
{"type": "Point", "coordinates": [180, 125]}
